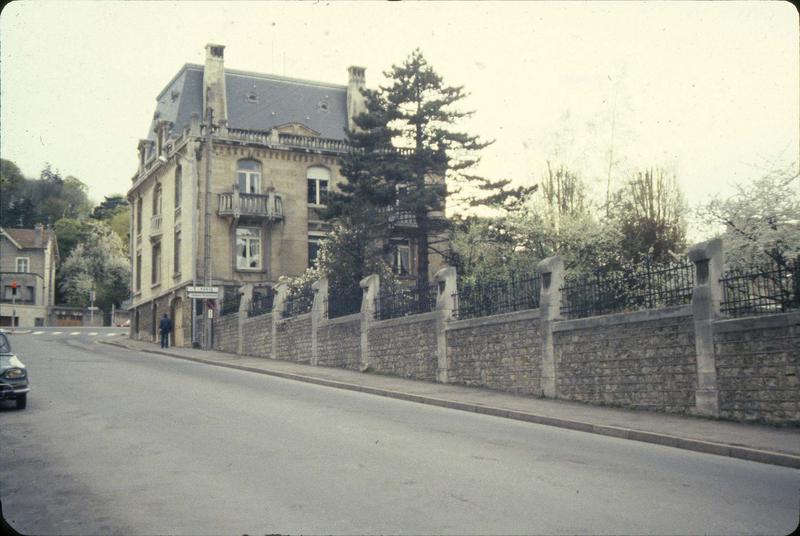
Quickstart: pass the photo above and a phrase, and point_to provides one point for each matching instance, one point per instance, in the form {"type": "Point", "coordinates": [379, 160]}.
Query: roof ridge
{"type": "Point", "coordinates": [271, 76]}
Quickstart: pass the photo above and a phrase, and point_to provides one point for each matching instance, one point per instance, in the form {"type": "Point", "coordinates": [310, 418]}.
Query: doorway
{"type": "Point", "coordinates": [176, 313]}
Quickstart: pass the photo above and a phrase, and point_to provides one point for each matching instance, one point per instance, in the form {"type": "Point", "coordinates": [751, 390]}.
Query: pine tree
{"type": "Point", "coordinates": [404, 152]}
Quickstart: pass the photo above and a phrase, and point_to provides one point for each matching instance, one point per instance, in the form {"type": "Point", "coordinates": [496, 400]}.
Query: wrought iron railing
{"type": "Point", "coordinates": [230, 304]}
{"type": "Point", "coordinates": [343, 301]}
{"type": "Point", "coordinates": [761, 290]}
{"type": "Point", "coordinates": [261, 304]}
{"type": "Point", "coordinates": [645, 286]}
{"type": "Point", "coordinates": [491, 297]}
{"type": "Point", "coordinates": [299, 302]}
{"type": "Point", "coordinates": [416, 300]}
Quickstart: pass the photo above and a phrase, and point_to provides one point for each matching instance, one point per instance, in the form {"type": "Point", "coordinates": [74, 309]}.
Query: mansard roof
{"type": "Point", "coordinates": [256, 102]}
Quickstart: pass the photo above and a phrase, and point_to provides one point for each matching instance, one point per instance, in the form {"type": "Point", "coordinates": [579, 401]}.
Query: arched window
{"type": "Point", "coordinates": [248, 176]}
{"type": "Point", "coordinates": [157, 200]}
{"type": "Point", "coordinates": [178, 185]}
{"type": "Point", "coordinates": [318, 179]}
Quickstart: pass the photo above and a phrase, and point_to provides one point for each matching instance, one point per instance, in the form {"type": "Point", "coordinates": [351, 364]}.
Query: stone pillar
{"type": "Point", "coordinates": [706, 298]}
{"type": "Point", "coordinates": [278, 307]}
{"type": "Point", "coordinates": [551, 272]}
{"type": "Point", "coordinates": [371, 287]}
{"type": "Point", "coordinates": [446, 279]}
{"type": "Point", "coordinates": [246, 291]}
{"type": "Point", "coordinates": [320, 288]}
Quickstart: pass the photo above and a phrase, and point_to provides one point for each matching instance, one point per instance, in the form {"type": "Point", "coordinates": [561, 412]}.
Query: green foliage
{"type": "Point", "coordinates": [26, 202]}
{"type": "Point", "coordinates": [12, 183]}
{"type": "Point", "coordinates": [405, 153]}
{"type": "Point", "coordinates": [761, 221]}
{"type": "Point", "coordinates": [97, 262]}
{"type": "Point", "coordinates": [651, 213]}
{"type": "Point", "coordinates": [69, 233]}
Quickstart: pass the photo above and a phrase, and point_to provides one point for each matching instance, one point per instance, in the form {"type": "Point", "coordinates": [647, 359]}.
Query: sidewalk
{"type": "Point", "coordinates": [766, 444]}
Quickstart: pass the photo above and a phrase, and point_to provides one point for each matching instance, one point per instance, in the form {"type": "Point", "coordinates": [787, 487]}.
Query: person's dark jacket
{"type": "Point", "coordinates": [165, 326]}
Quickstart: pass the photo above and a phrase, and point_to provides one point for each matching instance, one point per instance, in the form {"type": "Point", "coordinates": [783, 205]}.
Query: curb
{"type": "Point", "coordinates": [706, 447]}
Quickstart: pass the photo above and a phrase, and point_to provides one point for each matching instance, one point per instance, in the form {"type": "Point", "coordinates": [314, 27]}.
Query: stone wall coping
{"type": "Point", "coordinates": [777, 320]}
{"type": "Point", "coordinates": [410, 319]}
{"type": "Point", "coordinates": [298, 318]}
{"type": "Point", "coordinates": [355, 317]}
{"type": "Point", "coordinates": [251, 319]}
{"type": "Point", "coordinates": [623, 318]}
{"type": "Point", "coordinates": [516, 316]}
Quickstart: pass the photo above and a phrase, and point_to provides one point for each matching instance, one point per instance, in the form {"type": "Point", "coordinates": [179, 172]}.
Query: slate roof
{"type": "Point", "coordinates": [24, 237]}
{"type": "Point", "coordinates": [256, 102]}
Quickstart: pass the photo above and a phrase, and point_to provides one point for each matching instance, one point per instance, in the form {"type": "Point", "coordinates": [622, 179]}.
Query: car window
{"type": "Point", "coordinates": [5, 346]}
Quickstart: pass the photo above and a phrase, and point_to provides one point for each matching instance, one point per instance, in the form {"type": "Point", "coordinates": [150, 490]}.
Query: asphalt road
{"type": "Point", "coordinates": [120, 442]}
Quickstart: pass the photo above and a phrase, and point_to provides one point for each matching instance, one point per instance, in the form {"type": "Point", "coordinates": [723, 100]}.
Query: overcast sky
{"type": "Point", "coordinates": [708, 90]}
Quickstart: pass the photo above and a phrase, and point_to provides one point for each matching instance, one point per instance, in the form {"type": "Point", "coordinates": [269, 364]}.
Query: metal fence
{"type": "Point", "coordinates": [261, 303]}
{"type": "Point", "coordinates": [761, 290]}
{"type": "Point", "coordinates": [343, 301]}
{"type": "Point", "coordinates": [299, 302]}
{"type": "Point", "coordinates": [416, 300]}
{"type": "Point", "coordinates": [645, 286]}
{"type": "Point", "coordinates": [230, 304]}
{"type": "Point", "coordinates": [491, 297]}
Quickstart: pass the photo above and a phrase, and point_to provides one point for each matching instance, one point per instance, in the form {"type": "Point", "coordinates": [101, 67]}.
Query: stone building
{"type": "Point", "coordinates": [28, 259]}
{"type": "Point", "coordinates": [230, 182]}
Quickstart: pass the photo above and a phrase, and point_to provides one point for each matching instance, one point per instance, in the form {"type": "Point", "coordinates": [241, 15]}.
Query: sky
{"type": "Point", "coordinates": [709, 91]}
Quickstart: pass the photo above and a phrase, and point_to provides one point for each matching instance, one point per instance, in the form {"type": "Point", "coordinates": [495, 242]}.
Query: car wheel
{"type": "Point", "coordinates": [22, 401]}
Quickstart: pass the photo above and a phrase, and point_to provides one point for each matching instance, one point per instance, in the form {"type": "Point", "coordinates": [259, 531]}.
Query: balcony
{"type": "Point", "coordinates": [156, 227]}
{"type": "Point", "coordinates": [397, 217]}
{"type": "Point", "coordinates": [264, 206]}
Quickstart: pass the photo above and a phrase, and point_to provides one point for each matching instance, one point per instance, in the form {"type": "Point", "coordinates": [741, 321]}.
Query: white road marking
{"type": "Point", "coordinates": [75, 333]}
{"type": "Point", "coordinates": [92, 334]}
{"type": "Point", "coordinates": [57, 333]}
{"type": "Point", "coordinates": [110, 334]}
{"type": "Point", "coordinates": [38, 332]}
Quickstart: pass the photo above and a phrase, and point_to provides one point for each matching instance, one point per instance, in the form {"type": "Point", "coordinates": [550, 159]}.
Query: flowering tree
{"type": "Point", "coordinates": [761, 222]}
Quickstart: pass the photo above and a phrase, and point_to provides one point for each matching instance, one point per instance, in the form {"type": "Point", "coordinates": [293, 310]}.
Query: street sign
{"type": "Point", "coordinates": [203, 293]}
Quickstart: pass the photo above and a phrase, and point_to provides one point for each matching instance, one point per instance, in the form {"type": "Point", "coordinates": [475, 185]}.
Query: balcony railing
{"type": "Point", "coordinates": [312, 142]}
{"type": "Point", "coordinates": [397, 217]}
{"type": "Point", "coordinates": [156, 229]}
{"type": "Point", "coordinates": [269, 206]}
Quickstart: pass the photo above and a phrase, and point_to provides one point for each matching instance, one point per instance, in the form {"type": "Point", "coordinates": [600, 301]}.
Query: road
{"type": "Point", "coordinates": [122, 442]}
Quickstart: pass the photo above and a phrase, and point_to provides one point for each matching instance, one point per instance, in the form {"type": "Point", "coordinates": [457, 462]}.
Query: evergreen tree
{"type": "Point", "coordinates": [404, 152]}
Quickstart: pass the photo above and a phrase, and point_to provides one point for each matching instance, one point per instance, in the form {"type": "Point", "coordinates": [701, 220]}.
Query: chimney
{"type": "Point", "coordinates": [38, 235]}
{"type": "Point", "coordinates": [355, 100]}
{"type": "Point", "coordinates": [214, 84]}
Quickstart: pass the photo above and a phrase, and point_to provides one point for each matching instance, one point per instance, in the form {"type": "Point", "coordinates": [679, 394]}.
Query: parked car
{"type": "Point", "coordinates": [13, 375]}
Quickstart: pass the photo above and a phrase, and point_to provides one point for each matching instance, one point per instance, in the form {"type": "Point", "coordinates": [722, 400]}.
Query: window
{"type": "Point", "coordinates": [138, 281]}
{"type": "Point", "coordinates": [157, 200]}
{"type": "Point", "coordinates": [177, 251]}
{"type": "Point", "coordinates": [138, 215]}
{"type": "Point", "coordinates": [155, 274]}
{"type": "Point", "coordinates": [400, 251]}
{"type": "Point", "coordinates": [31, 294]}
{"type": "Point", "coordinates": [23, 264]}
{"type": "Point", "coordinates": [178, 185]}
{"type": "Point", "coordinates": [248, 176]}
{"type": "Point", "coordinates": [314, 242]}
{"type": "Point", "coordinates": [248, 248]}
{"type": "Point", "coordinates": [318, 178]}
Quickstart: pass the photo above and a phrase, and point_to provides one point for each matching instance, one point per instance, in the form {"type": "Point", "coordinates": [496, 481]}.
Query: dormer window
{"type": "Point", "coordinates": [251, 97]}
{"type": "Point", "coordinates": [322, 106]}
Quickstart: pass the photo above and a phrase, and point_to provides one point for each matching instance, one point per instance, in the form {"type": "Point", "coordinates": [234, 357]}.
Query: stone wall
{"type": "Point", "coordinates": [643, 360]}
{"type": "Point", "coordinates": [257, 336]}
{"type": "Point", "coordinates": [226, 333]}
{"type": "Point", "coordinates": [405, 347]}
{"type": "Point", "coordinates": [293, 339]}
{"type": "Point", "coordinates": [339, 342]}
{"type": "Point", "coordinates": [758, 366]}
{"type": "Point", "coordinates": [501, 352]}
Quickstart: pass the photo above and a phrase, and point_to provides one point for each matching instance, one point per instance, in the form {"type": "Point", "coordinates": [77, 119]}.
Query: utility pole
{"type": "Point", "coordinates": [207, 223]}
{"type": "Point", "coordinates": [13, 304]}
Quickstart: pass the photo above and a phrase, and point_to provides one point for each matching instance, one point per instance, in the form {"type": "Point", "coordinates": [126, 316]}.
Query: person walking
{"type": "Point", "coordinates": [165, 326]}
